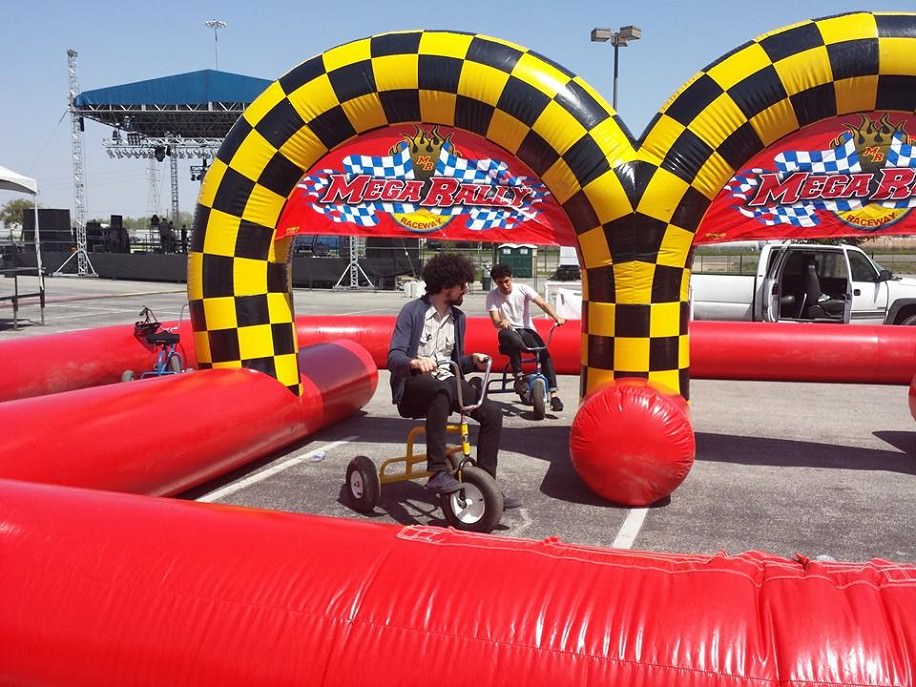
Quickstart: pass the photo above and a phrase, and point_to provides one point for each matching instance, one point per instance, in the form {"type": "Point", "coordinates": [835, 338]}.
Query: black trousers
{"type": "Point", "coordinates": [426, 396]}
{"type": "Point", "coordinates": [512, 342]}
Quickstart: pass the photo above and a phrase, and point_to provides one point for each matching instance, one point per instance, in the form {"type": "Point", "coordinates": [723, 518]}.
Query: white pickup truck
{"type": "Point", "coordinates": [807, 282]}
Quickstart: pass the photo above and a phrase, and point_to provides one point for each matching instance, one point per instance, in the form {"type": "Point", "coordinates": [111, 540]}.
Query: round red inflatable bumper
{"type": "Point", "coordinates": [913, 398]}
{"type": "Point", "coordinates": [631, 442]}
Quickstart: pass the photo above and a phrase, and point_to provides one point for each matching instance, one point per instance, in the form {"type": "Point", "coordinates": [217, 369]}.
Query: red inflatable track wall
{"type": "Point", "coordinates": [99, 588]}
{"type": "Point", "coordinates": [164, 435]}
{"type": "Point", "coordinates": [803, 352]}
{"type": "Point", "coordinates": [52, 363]}
{"type": "Point", "coordinates": [719, 350]}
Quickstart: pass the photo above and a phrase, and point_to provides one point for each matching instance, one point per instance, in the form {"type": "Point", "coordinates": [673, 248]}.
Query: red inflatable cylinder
{"type": "Point", "coordinates": [374, 334]}
{"type": "Point", "coordinates": [52, 363]}
{"type": "Point", "coordinates": [111, 589]}
{"type": "Point", "coordinates": [792, 352]}
{"type": "Point", "coordinates": [165, 435]}
{"type": "Point", "coordinates": [912, 398]}
{"type": "Point", "coordinates": [719, 350]}
{"type": "Point", "coordinates": [803, 352]}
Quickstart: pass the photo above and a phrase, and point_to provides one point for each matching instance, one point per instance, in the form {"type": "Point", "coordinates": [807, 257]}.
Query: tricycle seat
{"type": "Point", "coordinates": [163, 338]}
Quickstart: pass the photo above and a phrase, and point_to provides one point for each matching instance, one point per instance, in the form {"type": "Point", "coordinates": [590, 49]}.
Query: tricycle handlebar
{"type": "Point", "coordinates": [483, 389]}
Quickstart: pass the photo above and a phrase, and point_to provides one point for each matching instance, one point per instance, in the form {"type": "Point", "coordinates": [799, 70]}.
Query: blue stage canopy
{"type": "Point", "coordinates": [192, 88]}
{"type": "Point", "coordinates": [203, 104]}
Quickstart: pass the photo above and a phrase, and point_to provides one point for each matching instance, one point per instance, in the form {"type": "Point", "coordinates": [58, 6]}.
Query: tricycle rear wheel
{"type": "Point", "coordinates": [363, 487]}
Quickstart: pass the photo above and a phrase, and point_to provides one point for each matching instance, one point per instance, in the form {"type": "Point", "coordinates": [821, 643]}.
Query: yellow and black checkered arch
{"type": "Point", "coordinates": [635, 309]}
{"type": "Point", "coordinates": [238, 275]}
{"type": "Point", "coordinates": [635, 209]}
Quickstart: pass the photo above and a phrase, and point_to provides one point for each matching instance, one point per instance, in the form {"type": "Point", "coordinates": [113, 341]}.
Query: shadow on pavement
{"type": "Point", "coordinates": [722, 448]}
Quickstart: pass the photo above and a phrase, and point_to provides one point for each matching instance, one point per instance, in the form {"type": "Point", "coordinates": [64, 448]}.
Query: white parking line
{"type": "Point", "coordinates": [630, 528]}
{"type": "Point", "coordinates": [273, 470]}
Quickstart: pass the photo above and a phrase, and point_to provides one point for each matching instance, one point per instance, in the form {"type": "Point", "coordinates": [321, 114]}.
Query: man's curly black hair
{"type": "Point", "coordinates": [445, 270]}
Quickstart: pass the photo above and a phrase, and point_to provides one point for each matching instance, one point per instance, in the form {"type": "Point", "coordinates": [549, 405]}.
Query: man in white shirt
{"type": "Point", "coordinates": [508, 306]}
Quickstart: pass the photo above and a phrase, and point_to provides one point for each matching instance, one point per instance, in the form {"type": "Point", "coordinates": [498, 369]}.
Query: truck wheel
{"type": "Point", "coordinates": [911, 320]}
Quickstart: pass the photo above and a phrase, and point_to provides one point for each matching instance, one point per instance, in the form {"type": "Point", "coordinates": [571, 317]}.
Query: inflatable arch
{"type": "Point", "coordinates": [635, 206]}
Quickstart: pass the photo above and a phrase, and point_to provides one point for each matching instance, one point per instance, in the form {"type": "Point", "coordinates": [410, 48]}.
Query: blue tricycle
{"type": "Point", "coordinates": [168, 359]}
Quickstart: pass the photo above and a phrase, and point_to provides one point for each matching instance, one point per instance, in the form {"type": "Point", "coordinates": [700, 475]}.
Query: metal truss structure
{"type": "Point", "coordinates": [354, 269]}
{"type": "Point", "coordinates": [185, 131]}
{"type": "Point", "coordinates": [137, 146]}
{"type": "Point", "coordinates": [84, 267]}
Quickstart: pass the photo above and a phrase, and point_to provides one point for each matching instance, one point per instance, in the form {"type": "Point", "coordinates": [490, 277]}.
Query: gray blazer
{"type": "Point", "coordinates": [405, 342]}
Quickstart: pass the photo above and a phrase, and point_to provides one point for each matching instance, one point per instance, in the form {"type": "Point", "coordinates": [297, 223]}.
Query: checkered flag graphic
{"type": "Point", "coordinates": [901, 154]}
{"type": "Point", "coordinates": [492, 173]}
{"type": "Point", "coordinates": [314, 187]}
{"type": "Point", "coordinates": [842, 159]}
{"type": "Point", "coordinates": [397, 166]}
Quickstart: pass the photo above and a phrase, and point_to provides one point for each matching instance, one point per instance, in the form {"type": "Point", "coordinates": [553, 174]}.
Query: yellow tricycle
{"type": "Point", "coordinates": [476, 507]}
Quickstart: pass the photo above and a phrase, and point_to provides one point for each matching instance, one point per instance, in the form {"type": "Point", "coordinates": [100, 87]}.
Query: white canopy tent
{"type": "Point", "coordinates": [18, 183]}
{"type": "Point", "coordinates": [12, 181]}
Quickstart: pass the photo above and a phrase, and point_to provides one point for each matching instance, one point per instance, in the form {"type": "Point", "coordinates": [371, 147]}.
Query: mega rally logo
{"type": "Point", "coordinates": [424, 183]}
{"type": "Point", "coordinates": [866, 178]}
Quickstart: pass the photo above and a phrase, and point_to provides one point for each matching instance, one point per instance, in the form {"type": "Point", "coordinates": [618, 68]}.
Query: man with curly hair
{"type": "Point", "coordinates": [429, 332]}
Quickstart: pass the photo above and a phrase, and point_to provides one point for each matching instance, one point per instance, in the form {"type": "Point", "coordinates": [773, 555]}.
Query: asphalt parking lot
{"type": "Point", "coordinates": [815, 469]}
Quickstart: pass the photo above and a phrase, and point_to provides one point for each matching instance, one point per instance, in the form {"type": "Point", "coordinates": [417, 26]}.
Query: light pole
{"type": "Point", "coordinates": [216, 25]}
{"type": "Point", "coordinates": [618, 39]}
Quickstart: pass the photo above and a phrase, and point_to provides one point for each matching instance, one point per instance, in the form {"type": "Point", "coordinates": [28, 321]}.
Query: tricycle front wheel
{"type": "Point", "coordinates": [477, 506]}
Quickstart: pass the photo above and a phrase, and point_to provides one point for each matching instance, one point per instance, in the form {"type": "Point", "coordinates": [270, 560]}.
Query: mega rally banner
{"type": "Point", "coordinates": [425, 181]}
{"type": "Point", "coordinates": [849, 176]}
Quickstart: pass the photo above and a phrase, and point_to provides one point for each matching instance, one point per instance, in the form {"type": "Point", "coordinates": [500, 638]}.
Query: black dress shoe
{"type": "Point", "coordinates": [443, 483]}
{"type": "Point", "coordinates": [510, 502]}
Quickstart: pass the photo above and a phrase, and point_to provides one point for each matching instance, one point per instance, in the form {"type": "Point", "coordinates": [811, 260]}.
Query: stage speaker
{"type": "Point", "coordinates": [95, 236]}
{"type": "Point", "coordinates": [54, 232]}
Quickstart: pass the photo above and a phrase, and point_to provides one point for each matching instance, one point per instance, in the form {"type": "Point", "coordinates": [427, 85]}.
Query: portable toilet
{"type": "Point", "coordinates": [518, 256]}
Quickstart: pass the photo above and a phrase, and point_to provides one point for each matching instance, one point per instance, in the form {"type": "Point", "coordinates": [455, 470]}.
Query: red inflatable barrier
{"type": "Point", "coordinates": [51, 363]}
{"type": "Point", "coordinates": [111, 589]}
{"type": "Point", "coordinates": [719, 350]}
{"type": "Point", "coordinates": [804, 352]}
{"type": "Point", "coordinates": [801, 352]}
{"type": "Point", "coordinates": [165, 435]}
{"type": "Point", "coordinates": [374, 334]}
{"type": "Point", "coordinates": [912, 398]}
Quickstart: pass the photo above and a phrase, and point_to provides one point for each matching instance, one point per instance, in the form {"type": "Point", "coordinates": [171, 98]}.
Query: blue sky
{"type": "Point", "coordinates": [124, 42]}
